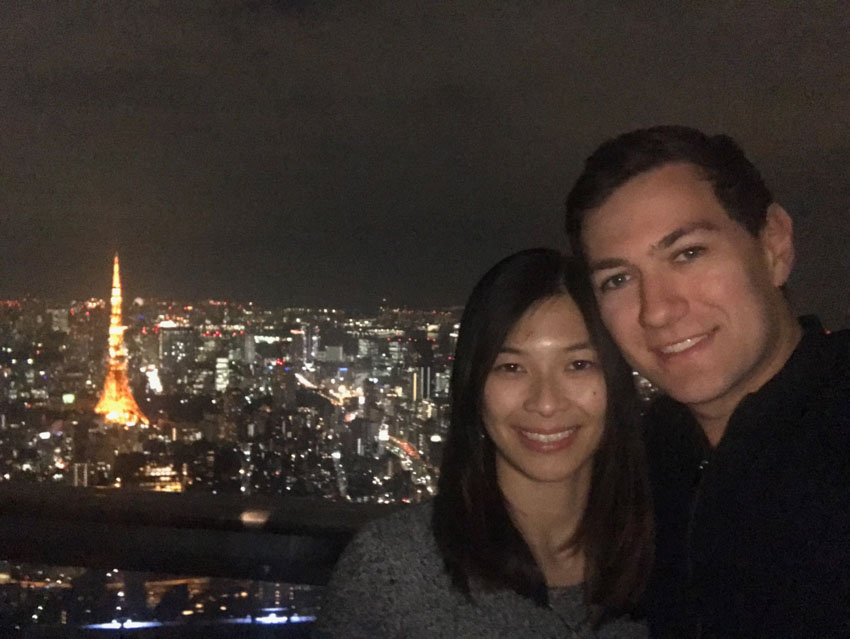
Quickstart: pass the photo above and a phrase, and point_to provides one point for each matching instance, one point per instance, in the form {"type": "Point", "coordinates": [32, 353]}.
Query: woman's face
{"type": "Point", "coordinates": [544, 398]}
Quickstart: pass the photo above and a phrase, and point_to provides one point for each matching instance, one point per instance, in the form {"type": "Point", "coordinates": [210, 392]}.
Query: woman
{"type": "Point", "coordinates": [542, 525]}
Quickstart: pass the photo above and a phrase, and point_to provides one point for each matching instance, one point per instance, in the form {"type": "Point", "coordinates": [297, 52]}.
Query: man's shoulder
{"type": "Point", "coordinates": [838, 340]}
{"type": "Point", "coordinates": [826, 350]}
{"type": "Point", "coordinates": [837, 345]}
{"type": "Point", "coordinates": [830, 406]}
{"type": "Point", "coordinates": [830, 364]}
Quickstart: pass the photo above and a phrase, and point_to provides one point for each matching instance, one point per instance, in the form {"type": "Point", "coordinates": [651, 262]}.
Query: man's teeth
{"type": "Point", "coordinates": [684, 345]}
{"type": "Point", "coordinates": [547, 438]}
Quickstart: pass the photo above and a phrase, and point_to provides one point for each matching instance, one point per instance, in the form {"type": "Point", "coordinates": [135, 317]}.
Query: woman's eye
{"type": "Point", "coordinates": [508, 367]}
{"type": "Point", "coordinates": [614, 282]}
{"type": "Point", "coordinates": [688, 254]}
{"type": "Point", "coordinates": [582, 364]}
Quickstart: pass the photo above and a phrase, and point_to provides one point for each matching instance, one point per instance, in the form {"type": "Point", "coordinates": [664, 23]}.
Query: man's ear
{"type": "Point", "coordinates": [777, 240]}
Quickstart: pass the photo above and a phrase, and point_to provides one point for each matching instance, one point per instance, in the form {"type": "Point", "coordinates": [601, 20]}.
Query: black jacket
{"type": "Point", "coordinates": [753, 537]}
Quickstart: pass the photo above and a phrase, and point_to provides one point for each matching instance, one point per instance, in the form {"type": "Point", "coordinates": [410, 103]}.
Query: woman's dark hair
{"type": "Point", "coordinates": [737, 184]}
{"type": "Point", "coordinates": [473, 528]}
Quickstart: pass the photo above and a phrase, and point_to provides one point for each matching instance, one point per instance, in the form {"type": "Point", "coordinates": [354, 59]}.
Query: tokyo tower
{"type": "Point", "coordinates": [116, 403]}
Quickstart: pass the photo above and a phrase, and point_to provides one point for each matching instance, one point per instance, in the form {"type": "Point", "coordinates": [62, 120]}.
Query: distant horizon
{"type": "Point", "coordinates": [194, 302]}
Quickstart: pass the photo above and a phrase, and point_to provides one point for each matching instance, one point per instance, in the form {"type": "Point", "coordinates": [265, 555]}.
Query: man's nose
{"type": "Point", "coordinates": [661, 302]}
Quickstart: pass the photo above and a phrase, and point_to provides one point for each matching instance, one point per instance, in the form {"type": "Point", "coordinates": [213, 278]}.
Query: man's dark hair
{"type": "Point", "coordinates": [473, 528]}
{"type": "Point", "coordinates": [737, 184]}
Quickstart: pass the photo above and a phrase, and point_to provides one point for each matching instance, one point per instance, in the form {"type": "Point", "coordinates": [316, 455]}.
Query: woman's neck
{"type": "Point", "coordinates": [547, 515]}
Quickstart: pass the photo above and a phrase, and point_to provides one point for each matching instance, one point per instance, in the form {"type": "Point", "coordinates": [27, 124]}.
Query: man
{"type": "Point", "coordinates": [750, 448]}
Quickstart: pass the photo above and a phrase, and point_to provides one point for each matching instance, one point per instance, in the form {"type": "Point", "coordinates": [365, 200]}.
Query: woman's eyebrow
{"type": "Point", "coordinates": [579, 346]}
{"type": "Point", "coordinates": [511, 350]}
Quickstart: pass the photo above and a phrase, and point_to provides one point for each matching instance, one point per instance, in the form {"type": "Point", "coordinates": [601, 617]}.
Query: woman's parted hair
{"type": "Point", "coordinates": [472, 526]}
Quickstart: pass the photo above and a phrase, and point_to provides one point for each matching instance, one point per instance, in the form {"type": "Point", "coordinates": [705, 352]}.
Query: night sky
{"type": "Point", "coordinates": [334, 153]}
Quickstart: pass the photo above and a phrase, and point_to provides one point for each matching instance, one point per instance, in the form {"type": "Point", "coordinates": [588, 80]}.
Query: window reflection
{"type": "Point", "coordinates": [40, 600]}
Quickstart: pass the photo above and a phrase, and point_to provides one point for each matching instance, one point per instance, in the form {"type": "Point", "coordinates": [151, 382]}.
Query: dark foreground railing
{"type": "Point", "coordinates": [295, 540]}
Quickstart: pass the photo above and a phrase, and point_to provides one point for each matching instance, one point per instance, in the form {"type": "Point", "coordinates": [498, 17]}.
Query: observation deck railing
{"type": "Point", "coordinates": [275, 538]}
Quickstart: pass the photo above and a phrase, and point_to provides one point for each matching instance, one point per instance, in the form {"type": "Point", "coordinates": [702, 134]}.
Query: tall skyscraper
{"type": "Point", "coordinates": [116, 403]}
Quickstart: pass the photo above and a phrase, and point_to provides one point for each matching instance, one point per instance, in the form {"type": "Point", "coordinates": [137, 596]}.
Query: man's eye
{"type": "Point", "coordinates": [614, 282]}
{"type": "Point", "coordinates": [688, 254]}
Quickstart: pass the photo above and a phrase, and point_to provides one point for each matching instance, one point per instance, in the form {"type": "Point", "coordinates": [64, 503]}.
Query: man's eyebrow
{"type": "Point", "coordinates": [608, 262]}
{"type": "Point", "coordinates": [664, 243]}
{"type": "Point", "coordinates": [671, 238]}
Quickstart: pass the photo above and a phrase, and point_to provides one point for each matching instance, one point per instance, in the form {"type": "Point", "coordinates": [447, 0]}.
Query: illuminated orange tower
{"type": "Point", "coordinates": [116, 403]}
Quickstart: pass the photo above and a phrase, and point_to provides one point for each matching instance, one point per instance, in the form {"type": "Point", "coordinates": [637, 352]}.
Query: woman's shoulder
{"type": "Point", "coordinates": [392, 538]}
{"type": "Point", "coordinates": [397, 539]}
{"type": "Point", "coordinates": [412, 521]}
{"type": "Point", "coordinates": [384, 574]}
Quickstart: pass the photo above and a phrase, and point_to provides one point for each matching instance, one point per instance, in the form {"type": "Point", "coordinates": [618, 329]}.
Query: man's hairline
{"type": "Point", "coordinates": [700, 173]}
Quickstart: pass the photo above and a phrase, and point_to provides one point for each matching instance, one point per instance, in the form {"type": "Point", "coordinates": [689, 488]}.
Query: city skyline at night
{"type": "Point", "coordinates": [293, 410]}
{"type": "Point", "coordinates": [237, 384]}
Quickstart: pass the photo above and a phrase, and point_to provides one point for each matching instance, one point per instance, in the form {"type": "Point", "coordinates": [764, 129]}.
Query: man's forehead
{"type": "Point", "coordinates": [661, 206]}
{"type": "Point", "coordinates": [682, 179]}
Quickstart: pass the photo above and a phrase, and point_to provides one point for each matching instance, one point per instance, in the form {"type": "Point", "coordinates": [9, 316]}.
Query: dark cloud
{"type": "Point", "coordinates": [337, 153]}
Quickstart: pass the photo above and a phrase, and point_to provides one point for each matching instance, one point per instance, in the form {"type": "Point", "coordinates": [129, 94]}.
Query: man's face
{"type": "Point", "coordinates": [689, 295]}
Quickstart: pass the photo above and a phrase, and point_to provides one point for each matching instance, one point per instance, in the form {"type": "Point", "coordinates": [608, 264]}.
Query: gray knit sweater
{"type": "Point", "coordinates": [391, 582]}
